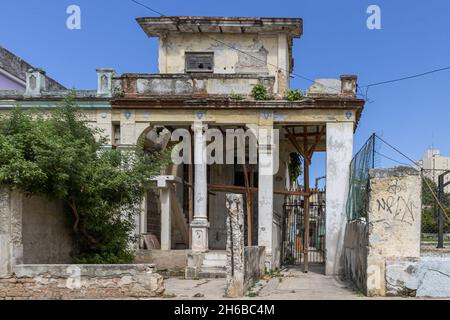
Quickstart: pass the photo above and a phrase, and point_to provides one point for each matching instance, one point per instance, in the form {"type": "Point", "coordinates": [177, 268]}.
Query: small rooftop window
{"type": "Point", "coordinates": [199, 61]}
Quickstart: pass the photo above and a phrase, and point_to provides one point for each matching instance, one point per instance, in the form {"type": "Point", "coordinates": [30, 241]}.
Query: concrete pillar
{"type": "Point", "coordinates": [143, 220]}
{"type": "Point", "coordinates": [235, 245]}
{"type": "Point", "coordinates": [163, 183]}
{"type": "Point", "coordinates": [200, 224]}
{"type": "Point", "coordinates": [11, 247]}
{"type": "Point", "coordinates": [339, 156]}
{"type": "Point", "coordinates": [166, 223]}
{"type": "Point", "coordinates": [265, 192]}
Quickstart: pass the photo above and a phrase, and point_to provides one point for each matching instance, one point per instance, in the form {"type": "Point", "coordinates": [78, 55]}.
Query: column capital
{"type": "Point", "coordinates": [199, 125]}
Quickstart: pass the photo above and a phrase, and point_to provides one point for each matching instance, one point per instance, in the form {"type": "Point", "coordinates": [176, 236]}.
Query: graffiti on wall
{"type": "Point", "coordinates": [396, 205]}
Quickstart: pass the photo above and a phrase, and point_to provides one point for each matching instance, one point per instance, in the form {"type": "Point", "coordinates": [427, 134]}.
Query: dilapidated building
{"type": "Point", "coordinates": [208, 67]}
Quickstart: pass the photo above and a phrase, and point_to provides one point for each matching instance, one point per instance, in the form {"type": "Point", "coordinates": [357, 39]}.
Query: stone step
{"type": "Point", "coordinates": [212, 272]}
{"type": "Point", "coordinates": [214, 263]}
{"type": "Point", "coordinates": [216, 255]}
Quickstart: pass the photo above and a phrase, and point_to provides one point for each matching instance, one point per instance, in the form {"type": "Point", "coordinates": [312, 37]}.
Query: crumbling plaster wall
{"type": "Point", "coordinates": [32, 230]}
{"type": "Point", "coordinates": [391, 229]}
{"type": "Point", "coordinates": [270, 49]}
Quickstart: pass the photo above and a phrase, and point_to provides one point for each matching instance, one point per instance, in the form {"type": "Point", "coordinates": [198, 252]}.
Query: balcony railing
{"type": "Point", "coordinates": [200, 85]}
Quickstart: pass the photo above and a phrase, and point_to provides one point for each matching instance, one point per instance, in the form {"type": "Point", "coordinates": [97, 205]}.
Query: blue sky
{"type": "Point", "coordinates": [415, 37]}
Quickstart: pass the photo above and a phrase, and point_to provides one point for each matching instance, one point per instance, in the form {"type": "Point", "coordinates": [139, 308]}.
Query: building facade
{"type": "Point", "coordinates": [208, 67]}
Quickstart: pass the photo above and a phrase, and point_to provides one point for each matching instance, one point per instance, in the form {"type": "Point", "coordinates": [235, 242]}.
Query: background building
{"type": "Point", "coordinates": [13, 73]}
{"type": "Point", "coordinates": [435, 164]}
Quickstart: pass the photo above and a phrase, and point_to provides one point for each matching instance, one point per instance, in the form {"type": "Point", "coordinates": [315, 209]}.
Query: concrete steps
{"type": "Point", "coordinates": [214, 265]}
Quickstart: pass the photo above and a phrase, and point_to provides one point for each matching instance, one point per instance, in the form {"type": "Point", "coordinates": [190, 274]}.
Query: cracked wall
{"type": "Point", "coordinates": [264, 54]}
{"type": "Point", "coordinates": [391, 229]}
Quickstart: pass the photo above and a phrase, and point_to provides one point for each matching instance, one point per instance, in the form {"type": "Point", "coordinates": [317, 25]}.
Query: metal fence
{"type": "Point", "coordinates": [361, 163]}
{"type": "Point", "coordinates": [293, 233]}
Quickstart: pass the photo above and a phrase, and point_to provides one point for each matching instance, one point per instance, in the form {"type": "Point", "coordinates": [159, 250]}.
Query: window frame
{"type": "Point", "coordinates": [209, 53]}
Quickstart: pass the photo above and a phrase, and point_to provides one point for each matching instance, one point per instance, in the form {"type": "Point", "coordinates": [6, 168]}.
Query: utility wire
{"type": "Point", "coordinates": [406, 78]}
{"type": "Point", "coordinates": [147, 7]}
{"type": "Point", "coordinates": [396, 149]}
{"type": "Point", "coordinates": [243, 52]}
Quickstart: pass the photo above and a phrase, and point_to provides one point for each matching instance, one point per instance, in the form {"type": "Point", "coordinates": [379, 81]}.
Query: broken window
{"type": "Point", "coordinates": [199, 61]}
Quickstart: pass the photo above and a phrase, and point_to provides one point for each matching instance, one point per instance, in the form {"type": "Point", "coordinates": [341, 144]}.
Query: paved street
{"type": "Point", "coordinates": [290, 283]}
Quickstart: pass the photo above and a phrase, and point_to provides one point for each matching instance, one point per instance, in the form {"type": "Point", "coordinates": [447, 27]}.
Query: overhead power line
{"type": "Point", "coordinates": [147, 7]}
{"type": "Point", "coordinates": [392, 159]}
{"type": "Point", "coordinates": [406, 78]}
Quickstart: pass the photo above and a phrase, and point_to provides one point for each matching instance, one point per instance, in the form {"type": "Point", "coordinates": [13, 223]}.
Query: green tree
{"type": "Point", "coordinates": [58, 156]}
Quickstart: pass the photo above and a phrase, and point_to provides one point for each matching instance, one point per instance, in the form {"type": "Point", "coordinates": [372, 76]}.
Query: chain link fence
{"type": "Point", "coordinates": [361, 163]}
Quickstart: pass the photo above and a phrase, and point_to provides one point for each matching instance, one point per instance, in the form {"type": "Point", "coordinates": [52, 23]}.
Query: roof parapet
{"type": "Point", "coordinates": [345, 87]}
{"type": "Point", "coordinates": [349, 85]}
{"type": "Point", "coordinates": [35, 82]}
{"type": "Point", "coordinates": [104, 82]}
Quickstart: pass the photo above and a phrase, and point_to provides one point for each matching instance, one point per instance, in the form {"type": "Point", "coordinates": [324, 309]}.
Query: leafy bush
{"type": "Point", "coordinates": [236, 96]}
{"type": "Point", "coordinates": [294, 95]}
{"type": "Point", "coordinates": [59, 157]}
{"type": "Point", "coordinates": [259, 92]}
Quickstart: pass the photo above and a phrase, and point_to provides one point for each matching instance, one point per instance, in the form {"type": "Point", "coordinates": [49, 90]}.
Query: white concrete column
{"type": "Point", "coordinates": [143, 220]}
{"type": "Point", "coordinates": [163, 184]}
{"type": "Point", "coordinates": [166, 223]}
{"type": "Point", "coordinates": [200, 222]}
{"type": "Point", "coordinates": [265, 192]}
{"type": "Point", "coordinates": [339, 156]}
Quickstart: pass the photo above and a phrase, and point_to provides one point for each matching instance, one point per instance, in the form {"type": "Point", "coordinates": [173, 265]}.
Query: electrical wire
{"type": "Point", "coordinates": [396, 149]}
{"type": "Point", "coordinates": [406, 78]}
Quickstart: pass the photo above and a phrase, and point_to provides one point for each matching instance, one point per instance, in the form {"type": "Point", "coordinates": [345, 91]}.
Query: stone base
{"type": "Point", "coordinates": [81, 282]}
{"type": "Point", "coordinates": [200, 235]}
{"type": "Point", "coordinates": [194, 264]}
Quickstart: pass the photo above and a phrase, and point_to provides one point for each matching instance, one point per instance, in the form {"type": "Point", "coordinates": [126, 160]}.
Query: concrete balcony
{"type": "Point", "coordinates": [194, 85]}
